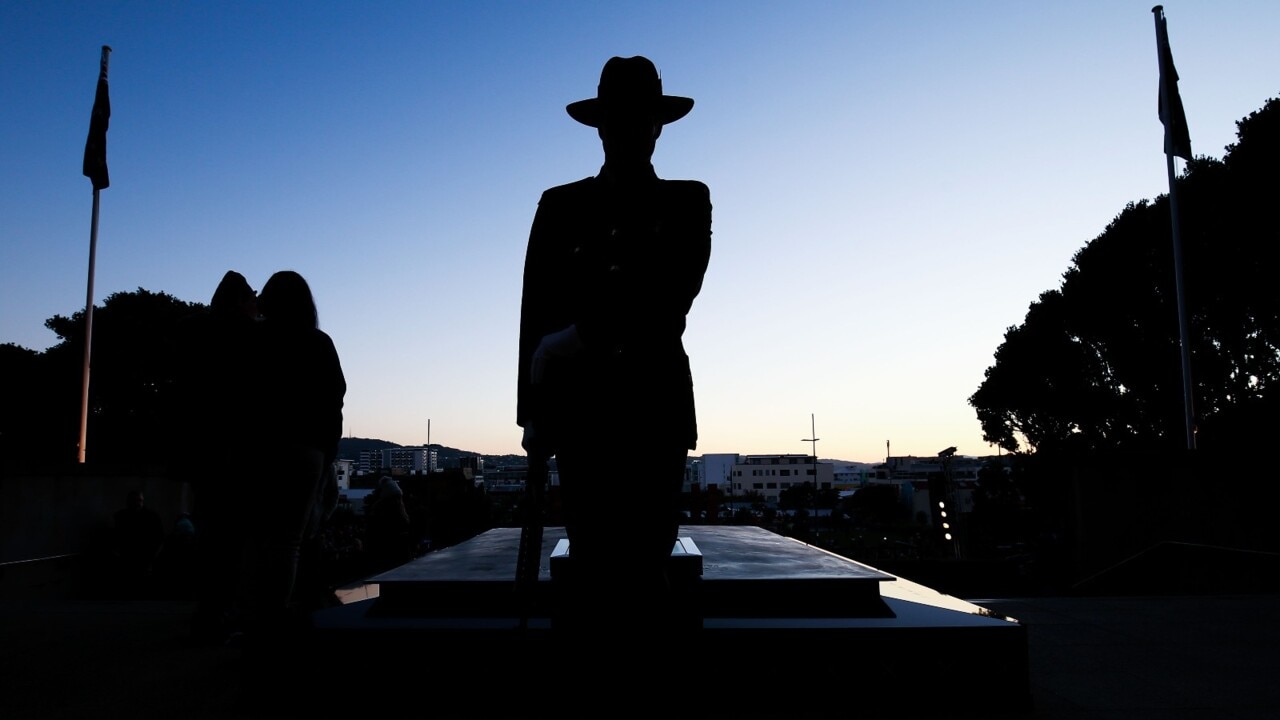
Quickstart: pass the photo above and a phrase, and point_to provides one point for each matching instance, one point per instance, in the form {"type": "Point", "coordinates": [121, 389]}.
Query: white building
{"type": "Point", "coordinates": [852, 475]}
{"type": "Point", "coordinates": [711, 469]}
{"type": "Point", "coordinates": [343, 470]}
{"type": "Point", "coordinates": [769, 475]}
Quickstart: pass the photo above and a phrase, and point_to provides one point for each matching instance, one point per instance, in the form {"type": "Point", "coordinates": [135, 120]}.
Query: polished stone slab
{"type": "Point", "coordinates": [745, 572]}
{"type": "Point", "coordinates": [729, 552]}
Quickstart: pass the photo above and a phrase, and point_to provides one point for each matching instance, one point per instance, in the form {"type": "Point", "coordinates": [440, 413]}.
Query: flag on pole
{"type": "Point", "coordinates": [95, 147]}
{"type": "Point", "coordinates": [95, 168]}
{"type": "Point", "coordinates": [1177, 143]}
{"type": "Point", "coordinates": [1177, 140]}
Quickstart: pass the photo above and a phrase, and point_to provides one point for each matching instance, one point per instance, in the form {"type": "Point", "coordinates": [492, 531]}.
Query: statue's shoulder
{"type": "Point", "coordinates": [569, 192]}
{"type": "Point", "coordinates": [687, 190]}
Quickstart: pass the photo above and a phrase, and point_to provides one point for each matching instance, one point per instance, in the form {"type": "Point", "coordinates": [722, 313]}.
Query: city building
{"type": "Point", "coordinates": [474, 463]}
{"type": "Point", "coordinates": [369, 463]}
{"type": "Point", "coordinates": [920, 479]}
{"type": "Point", "coordinates": [400, 461]}
{"type": "Point", "coordinates": [710, 470]}
{"type": "Point", "coordinates": [512, 478]}
{"type": "Point", "coordinates": [769, 475]}
{"type": "Point", "coordinates": [343, 468]}
{"type": "Point", "coordinates": [852, 475]}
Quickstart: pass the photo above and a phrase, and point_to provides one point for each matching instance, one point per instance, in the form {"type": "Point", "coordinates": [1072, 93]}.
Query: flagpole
{"type": "Point", "coordinates": [1174, 121]}
{"type": "Point", "coordinates": [98, 183]}
{"type": "Point", "coordinates": [1183, 334]}
{"type": "Point", "coordinates": [88, 331]}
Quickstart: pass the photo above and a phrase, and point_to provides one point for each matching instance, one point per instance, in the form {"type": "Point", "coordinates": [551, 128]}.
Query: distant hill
{"type": "Point", "coordinates": [349, 448]}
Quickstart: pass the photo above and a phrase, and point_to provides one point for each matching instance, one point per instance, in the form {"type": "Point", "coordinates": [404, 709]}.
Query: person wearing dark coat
{"type": "Point", "coordinates": [211, 444]}
{"type": "Point", "coordinates": [299, 390]}
{"type": "Point", "coordinates": [389, 538]}
{"type": "Point", "coordinates": [613, 264]}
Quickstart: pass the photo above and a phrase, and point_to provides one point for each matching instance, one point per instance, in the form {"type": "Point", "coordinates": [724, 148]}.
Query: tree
{"type": "Point", "coordinates": [997, 524]}
{"type": "Point", "coordinates": [133, 368]}
{"type": "Point", "coordinates": [27, 420]}
{"type": "Point", "coordinates": [875, 506]}
{"type": "Point", "coordinates": [796, 497]}
{"type": "Point", "coordinates": [1095, 364]}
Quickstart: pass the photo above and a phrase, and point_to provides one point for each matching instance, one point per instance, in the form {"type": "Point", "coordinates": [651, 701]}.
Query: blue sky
{"type": "Point", "coordinates": [893, 183]}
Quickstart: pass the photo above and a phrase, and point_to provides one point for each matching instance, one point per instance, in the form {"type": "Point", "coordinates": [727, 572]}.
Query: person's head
{"type": "Point", "coordinates": [134, 499]}
{"type": "Point", "coordinates": [629, 110]}
{"type": "Point", "coordinates": [286, 300]}
{"type": "Point", "coordinates": [388, 487]}
{"type": "Point", "coordinates": [234, 296]}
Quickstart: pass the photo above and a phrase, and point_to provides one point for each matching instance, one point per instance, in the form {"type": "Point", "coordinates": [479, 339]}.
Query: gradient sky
{"type": "Point", "coordinates": [893, 183]}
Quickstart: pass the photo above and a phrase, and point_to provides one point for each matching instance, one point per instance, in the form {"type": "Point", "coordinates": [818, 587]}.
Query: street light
{"type": "Point", "coordinates": [814, 444]}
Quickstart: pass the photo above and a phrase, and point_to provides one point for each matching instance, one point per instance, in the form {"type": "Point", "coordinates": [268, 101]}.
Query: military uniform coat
{"type": "Point", "coordinates": [624, 267]}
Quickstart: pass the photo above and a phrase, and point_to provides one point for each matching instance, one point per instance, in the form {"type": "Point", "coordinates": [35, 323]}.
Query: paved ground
{"type": "Point", "coordinates": [112, 659]}
{"type": "Point", "coordinates": [1136, 658]}
{"type": "Point", "coordinates": [1143, 658]}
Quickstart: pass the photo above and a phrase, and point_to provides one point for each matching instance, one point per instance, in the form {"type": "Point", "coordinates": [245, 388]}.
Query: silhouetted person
{"type": "Point", "coordinates": [299, 388]}
{"type": "Point", "coordinates": [389, 540]}
{"type": "Point", "coordinates": [215, 374]}
{"type": "Point", "coordinates": [613, 265]}
{"type": "Point", "coordinates": [139, 535]}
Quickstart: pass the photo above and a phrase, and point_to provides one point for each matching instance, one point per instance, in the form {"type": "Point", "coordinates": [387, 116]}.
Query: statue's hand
{"type": "Point", "coordinates": [561, 344]}
{"type": "Point", "coordinates": [533, 443]}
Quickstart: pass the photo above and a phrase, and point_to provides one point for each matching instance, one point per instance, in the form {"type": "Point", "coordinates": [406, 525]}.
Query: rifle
{"type": "Point", "coordinates": [529, 557]}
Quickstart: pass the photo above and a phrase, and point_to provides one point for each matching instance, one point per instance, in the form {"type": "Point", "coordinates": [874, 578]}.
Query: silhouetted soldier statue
{"type": "Point", "coordinates": [612, 267]}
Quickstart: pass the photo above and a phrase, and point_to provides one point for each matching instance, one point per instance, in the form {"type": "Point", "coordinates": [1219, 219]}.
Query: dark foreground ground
{"type": "Point", "coordinates": [1095, 658]}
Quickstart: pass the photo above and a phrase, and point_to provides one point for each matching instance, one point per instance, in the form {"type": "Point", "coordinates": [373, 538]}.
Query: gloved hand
{"type": "Point", "coordinates": [561, 344]}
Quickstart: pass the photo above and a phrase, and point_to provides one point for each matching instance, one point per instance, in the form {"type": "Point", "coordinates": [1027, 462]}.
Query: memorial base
{"type": "Point", "coordinates": [785, 629]}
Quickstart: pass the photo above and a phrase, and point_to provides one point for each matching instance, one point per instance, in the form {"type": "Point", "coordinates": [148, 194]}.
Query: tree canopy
{"type": "Point", "coordinates": [1095, 365]}
{"type": "Point", "coordinates": [132, 371]}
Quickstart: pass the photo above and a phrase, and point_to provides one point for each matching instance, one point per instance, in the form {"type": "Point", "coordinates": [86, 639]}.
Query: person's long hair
{"type": "Point", "coordinates": [286, 299]}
